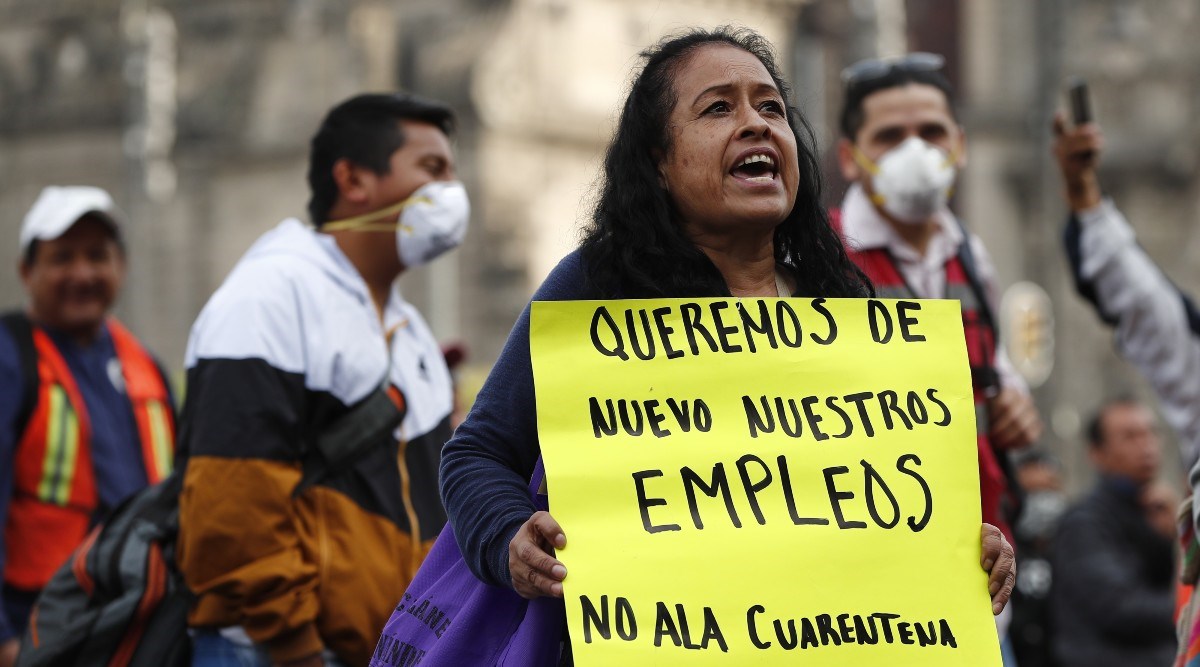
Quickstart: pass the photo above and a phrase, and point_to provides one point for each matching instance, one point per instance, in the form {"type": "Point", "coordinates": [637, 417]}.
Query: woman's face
{"type": "Point", "coordinates": [732, 165]}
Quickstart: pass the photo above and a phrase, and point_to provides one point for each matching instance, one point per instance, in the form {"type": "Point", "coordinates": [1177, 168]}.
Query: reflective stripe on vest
{"type": "Point", "coordinates": [55, 493]}
{"type": "Point", "coordinates": [62, 449]}
{"type": "Point", "coordinates": [57, 439]}
{"type": "Point", "coordinates": [148, 396]}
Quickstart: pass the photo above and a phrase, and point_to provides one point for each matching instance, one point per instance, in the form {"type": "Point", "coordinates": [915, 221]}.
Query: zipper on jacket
{"type": "Point", "coordinates": [414, 523]}
{"type": "Point", "coordinates": [322, 538]}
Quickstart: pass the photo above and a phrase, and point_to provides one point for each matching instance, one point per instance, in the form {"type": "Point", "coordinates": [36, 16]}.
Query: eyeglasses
{"type": "Point", "coordinates": [877, 68]}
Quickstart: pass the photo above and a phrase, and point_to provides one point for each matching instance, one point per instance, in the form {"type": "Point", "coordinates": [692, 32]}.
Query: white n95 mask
{"type": "Point", "coordinates": [912, 181]}
{"type": "Point", "coordinates": [433, 220]}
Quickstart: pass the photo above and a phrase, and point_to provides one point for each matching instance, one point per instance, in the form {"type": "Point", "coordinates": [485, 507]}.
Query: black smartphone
{"type": "Point", "coordinates": [1081, 105]}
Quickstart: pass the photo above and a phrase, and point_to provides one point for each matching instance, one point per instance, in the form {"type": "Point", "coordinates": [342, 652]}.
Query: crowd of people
{"type": "Point", "coordinates": [315, 452]}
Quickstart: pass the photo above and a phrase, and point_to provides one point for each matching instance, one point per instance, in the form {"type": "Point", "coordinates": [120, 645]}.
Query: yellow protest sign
{"type": "Point", "coordinates": [764, 481]}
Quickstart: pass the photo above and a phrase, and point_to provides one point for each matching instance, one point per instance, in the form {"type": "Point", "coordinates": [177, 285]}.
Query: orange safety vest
{"type": "Point", "coordinates": [54, 495]}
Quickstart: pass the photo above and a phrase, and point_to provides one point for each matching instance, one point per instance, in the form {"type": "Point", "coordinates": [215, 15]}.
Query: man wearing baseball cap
{"type": "Point", "coordinates": [86, 416]}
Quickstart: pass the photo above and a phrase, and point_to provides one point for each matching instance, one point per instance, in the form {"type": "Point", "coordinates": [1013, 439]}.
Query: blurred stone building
{"type": "Point", "coordinates": [197, 116]}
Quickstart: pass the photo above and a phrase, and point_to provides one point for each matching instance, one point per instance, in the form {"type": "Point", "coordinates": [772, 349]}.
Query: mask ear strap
{"type": "Point", "coordinates": [362, 222]}
{"type": "Point", "coordinates": [863, 161]}
{"type": "Point", "coordinates": [870, 167]}
{"type": "Point", "coordinates": [951, 159]}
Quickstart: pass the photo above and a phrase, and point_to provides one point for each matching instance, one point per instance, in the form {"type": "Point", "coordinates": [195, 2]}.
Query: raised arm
{"type": "Point", "coordinates": [1157, 327]}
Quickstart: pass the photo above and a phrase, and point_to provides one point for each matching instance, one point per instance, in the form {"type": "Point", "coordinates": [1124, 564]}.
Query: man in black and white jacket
{"type": "Point", "coordinates": [289, 567]}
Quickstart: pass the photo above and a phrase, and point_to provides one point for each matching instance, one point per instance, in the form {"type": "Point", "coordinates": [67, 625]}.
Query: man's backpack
{"type": "Point", "coordinates": [120, 600]}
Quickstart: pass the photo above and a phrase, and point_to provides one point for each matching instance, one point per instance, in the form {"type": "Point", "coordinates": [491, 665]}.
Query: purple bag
{"type": "Point", "coordinates": [449, 617]}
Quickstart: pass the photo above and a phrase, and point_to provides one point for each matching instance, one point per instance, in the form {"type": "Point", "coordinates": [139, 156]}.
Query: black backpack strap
{"type": "Point", "coordinates": [971, 268]}
{"type": "Point", "coordinates": [21, 329]}
{"type": "Point", "coordinates": [1193, 314]}
{"type": "Point", "coordinates": [349, 437]}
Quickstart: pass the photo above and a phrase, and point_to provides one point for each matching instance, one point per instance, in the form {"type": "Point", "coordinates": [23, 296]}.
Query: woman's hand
{"type": "Point", "coordinates": [1001, 565]}
{"type": "Point", "coordinates": [535, 572]}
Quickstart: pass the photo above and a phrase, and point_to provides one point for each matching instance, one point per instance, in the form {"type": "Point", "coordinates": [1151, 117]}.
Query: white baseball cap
{"type": "Point", "coordinates": [60, 206]}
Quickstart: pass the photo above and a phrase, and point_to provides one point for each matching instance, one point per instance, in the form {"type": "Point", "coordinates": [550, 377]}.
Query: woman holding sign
{"type": "Point", "coordinates": [710, 189]}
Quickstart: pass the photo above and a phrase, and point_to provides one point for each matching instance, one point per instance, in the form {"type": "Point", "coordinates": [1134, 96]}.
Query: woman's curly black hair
{"type": "Point", "coordinates": [634, 246]}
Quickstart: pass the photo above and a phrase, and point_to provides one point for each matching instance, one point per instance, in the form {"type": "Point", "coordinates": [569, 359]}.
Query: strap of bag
{"type": "Point", "coordinates": [967, 258]}
{"type": "Point", "coordinates": [349, 437]}
{"type": "Point", "coordinates": [21, 330]}
{"type": "Point", "coordinates": [971, 268]}
{"type": "Point", "coordinates": [536, 480]}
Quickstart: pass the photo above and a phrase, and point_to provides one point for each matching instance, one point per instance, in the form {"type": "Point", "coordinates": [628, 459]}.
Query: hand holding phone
{"type": "Point", "coordinates": [1081, 104]}
{"type": "Point", "coordinates": [1077, 148]}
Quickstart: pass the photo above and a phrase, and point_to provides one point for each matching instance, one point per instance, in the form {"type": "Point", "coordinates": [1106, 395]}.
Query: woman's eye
{"type": "Point", "coordinates": [717, 107]}
{"type": "Point", "coordinates": [772, 106]}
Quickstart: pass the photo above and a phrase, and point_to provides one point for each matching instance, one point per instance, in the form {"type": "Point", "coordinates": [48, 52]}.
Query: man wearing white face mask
{"type": "Point", "coordinates": [901, 147]}
{"type": "Point", "coordinates": [318, 402]}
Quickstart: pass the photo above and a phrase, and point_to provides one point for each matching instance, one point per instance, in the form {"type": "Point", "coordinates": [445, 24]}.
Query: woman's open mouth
{"type": "Point", "coordinates": [757, 167]}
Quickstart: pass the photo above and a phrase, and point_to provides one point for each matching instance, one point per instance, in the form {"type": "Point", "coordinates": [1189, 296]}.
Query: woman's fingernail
{"type": "Point", "coordinates": [559, 571]}
{"type": "Point", "coordinates": [987, 564]}
{"type": "Point", "coordinates": [994, 587]}
{"type": "Point", "coordinates": [996, 608]}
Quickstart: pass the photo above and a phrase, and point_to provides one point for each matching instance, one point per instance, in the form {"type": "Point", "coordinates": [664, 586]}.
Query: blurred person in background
{"type": "Point", "coordinates": [901, 149]}
{"type": "Point", "coordinates": [1040, 479]}
{"type": "Point", "coordinates": [86, 415]}
{"type": "Point", "coordinates": [1157, 327]}
{"type": "Point", "coordinates": [291, 567]}
{"type": "Point", "coordinates": [1113, 598]}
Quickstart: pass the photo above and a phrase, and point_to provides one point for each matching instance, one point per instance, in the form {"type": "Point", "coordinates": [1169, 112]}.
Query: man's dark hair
{"type": "Point", "coordinates": [634, 246]}
{"type": "Point", "coordinates": [1095, 425]}
{"type": "Point", "coordinates": [857, 92]}
{"type": "Point", "coordinates": [365, 130]}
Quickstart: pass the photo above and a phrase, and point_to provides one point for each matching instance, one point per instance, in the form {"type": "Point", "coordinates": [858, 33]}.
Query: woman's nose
{"type": "Point", "coordinates": [753, 124]}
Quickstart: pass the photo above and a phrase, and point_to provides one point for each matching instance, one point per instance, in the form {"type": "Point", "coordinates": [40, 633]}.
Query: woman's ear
{"type": "Point", "coordinates": [657, 156]}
